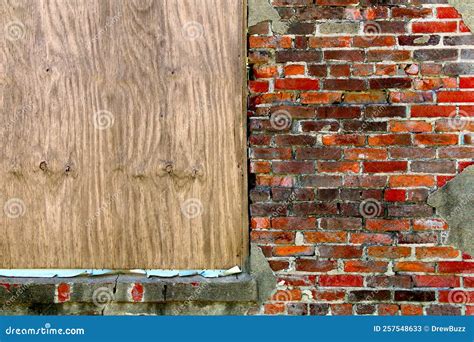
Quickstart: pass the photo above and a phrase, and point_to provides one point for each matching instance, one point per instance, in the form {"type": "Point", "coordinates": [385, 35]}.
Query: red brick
{"type": "Point", "coordinates": [432, 111]}
{"type": "Point", "coordinates": [260, 222]}
{"type": "Point", "coordinates": [269, 42]}
{"type": "Point", "coordinates": [340, 252]}
{"type": "Point", "coordinates": [315, 265]}
{"type": "Point", "coordinates": [456, 297]}
{"type": "Point", "coordinates": [411, 310]}
{"type": "Point", "coordinates": [345, 84]}
{"type": "Point", "coordinates": [328, 295]}
{"type": "Point", "coordinates": [343, 140]}
{"type": "Point", "coordinates": [361, 97]}
{"type": "Point", "coordinates": [260, 71]}
{"type": "Point", "coordinates": [395, 195]}
{"type": "Point", "coordinates": [340, 70]}
{"type": "Point", "coordinates": [436, 281]}
{"type": "Point", "coordinates": [279, 238]}
{"type": "Point", "coordinates": [436, 252]}
{"type": "Point", "coordinates": [293, 250]}
{"type": "Point", "coordinates": [365, 154]}
{"type": "Point", "coordinates": [410, 97]}
{"type": "Point", "coordinates": [388, 252]}
{"type": "Point", "coordinates": [325, 237]}
{"type": "Point", "coordinates": [343, 223]}
{"type": "Point", "coordinates": [388, 55]}
{"type": "Point", "coordinates": [293, 223]}
{"type": "Point", "coordinates": [389, 139]}
{"type": "Point", "coordinates": [385, 166]}
{"type": "Point", "coordinates": [297, 167]}
{"type": "Point", "coordinates": [447, 13]}
{"type": "Point", "coordinates": [414, 266]}
{"type": "Point", "coordinates": [371, 238]}
{"type": "Point", "coordinates": [341, 280]}
{"type": "Point", "coordinates": [327, 42]}
{"type": "Point", "coordinates": [388, 309]}
{"type": "Point", "coordinates": [274, 309]}
{"type": "Point", "coordinates": [359, 266]}
{"type": "Point", "coordinates": [455, 96]}
{"type": "Point", "coordinates": [343, 167]}
{"type": "Point", "coordinates": [341, 309]}
{"type": "Point", "coordinates": [266, 180]}
{"type": "Point", "coordinates": [333, 112]}
{"type": "Point", "coordinates": [375, 41]}
{"type": "Point", "coordinates": [430, 224]}
{"type": "Point", "coordinates": [408, 12]}
{"type": "Point", "coordinates": [434, 26]}
{"type": "Point", "coordinates": [258, 86]}
{"type": "Point", "coordinates": [294, 69]}
{"type": "Point", "coordinates": [271, 153]}
{"type": "Point", "coordinates": [411, 181]}
{"type": "Point", "coordinates": [410, 126]}
{"type": "Point", "coordinates": [278, 265]}
{"type": "Point", "coordinates": [436, 139]}
{"type": "Point", "coordinates": [466, 82]}
{"type": "Point", "coordinates": [382, 225]}
{"type": "Point", "coordinates": [321, 97]}
{"type": "Point", "coordinates": [344, 55]}
{"type": "Point", "coordinates": [296, 84]}
{"type": "Point", "coordinates": [260, 167]}
{"type": "Point", "coordinates": [456, 267]}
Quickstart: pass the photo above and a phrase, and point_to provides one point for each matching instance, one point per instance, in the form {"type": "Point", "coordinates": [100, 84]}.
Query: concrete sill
{"type": "Point", "coordinates": [127, 288]}
{"type": "Point", "coordinates": [138, 295]}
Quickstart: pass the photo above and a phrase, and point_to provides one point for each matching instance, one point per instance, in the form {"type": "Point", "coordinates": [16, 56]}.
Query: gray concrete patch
{"type": "Point", "coordinates": [262, 10]}
{"type": "Point", "coordinates": [263, 274]}
{"type": "Point", "coordinates": [455, 203]}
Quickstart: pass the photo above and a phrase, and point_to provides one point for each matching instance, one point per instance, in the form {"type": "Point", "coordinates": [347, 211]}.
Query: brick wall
{"type": "Point", "coordinates": [355, 116]}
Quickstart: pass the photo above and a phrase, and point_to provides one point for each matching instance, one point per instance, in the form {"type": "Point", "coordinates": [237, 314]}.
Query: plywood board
{"type": "Point", "coordinates": [122, 142]}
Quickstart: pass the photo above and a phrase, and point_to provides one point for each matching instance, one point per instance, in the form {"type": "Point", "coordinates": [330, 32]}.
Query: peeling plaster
{"type": "Point", "coordinates": [466, 9]}
{"type": "Point", "coordinates": [455, 203]}
{"type": "Point", "coordinates": [262, 10]}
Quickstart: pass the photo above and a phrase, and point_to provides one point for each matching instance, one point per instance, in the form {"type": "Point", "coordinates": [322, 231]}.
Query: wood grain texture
{"type": "Point", "coordinates": [123, 135]}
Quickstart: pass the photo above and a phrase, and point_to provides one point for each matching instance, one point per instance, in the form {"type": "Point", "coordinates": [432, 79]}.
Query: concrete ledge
{"type": "Point", "coordinates": [112, 294]}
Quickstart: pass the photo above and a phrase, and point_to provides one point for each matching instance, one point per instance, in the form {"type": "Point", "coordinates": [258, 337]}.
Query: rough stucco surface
{"type": "Point", "coordinates": [263, 274]}
{"type": "Point", "coordinates": [466, 9]}
{"type": "Point", "coordinates": [454, 203]}
{"type": "Point", "coordinates": [261, 10]}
